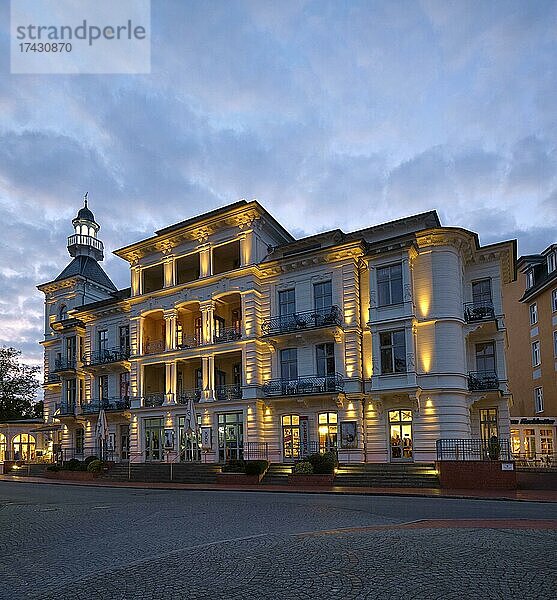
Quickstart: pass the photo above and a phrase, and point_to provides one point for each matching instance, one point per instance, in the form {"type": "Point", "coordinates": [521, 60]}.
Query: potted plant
{"type": "Point", "coordinates": [317, 469]}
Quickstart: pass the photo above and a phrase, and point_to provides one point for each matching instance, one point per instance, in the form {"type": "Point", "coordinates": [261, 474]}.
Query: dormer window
{"type": "Point", "coordinates": [529, 278]}
{"type": "Point", "coordinates": [551, 262]}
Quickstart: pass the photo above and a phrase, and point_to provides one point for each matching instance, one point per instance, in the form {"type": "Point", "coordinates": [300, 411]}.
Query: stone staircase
{"type": "Point", "coordinates": [277, 474]}
{"type": "Point", "coordinates": [404, 475]}
{"type": "Point", "coordinates": [161, 473]}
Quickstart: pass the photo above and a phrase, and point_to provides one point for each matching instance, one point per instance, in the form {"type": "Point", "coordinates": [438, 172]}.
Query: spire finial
{"type": "Point", "coordinates": [85, 198]}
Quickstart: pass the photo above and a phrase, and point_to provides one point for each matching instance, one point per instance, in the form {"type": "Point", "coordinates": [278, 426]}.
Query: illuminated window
{"type": "Point", "coordinates": [546, 441]}
{"type": "Point", "coordinates": [488, 423]}
{"type": "Point", "coordinates": [2, 447]}
{"type": "Point", "coordinates": [328, 431]}
{"type": "Point", "coordinates": [24, 447]}
{"type": "Point", "coordinates": [515, 441]}
{"type": "Point", "coordinates": [389, 285]}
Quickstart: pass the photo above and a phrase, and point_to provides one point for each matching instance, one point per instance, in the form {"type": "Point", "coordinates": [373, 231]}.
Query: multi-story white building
{"type": "Point", "coordinates": [376, 343]}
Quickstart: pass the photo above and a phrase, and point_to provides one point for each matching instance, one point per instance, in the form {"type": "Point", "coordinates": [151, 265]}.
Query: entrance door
{"type": "Point", "coordinates": [328, 432]}
{"type": "Point", "coordinates": [153, 439]}
{"type": "Point", "coordinates": [231, 436]}
{"type": "Point", "coordinates": [124, 442]}
{"type": "Point", "coordinates": [400, 430]}
{"type": "Point", "coordinates": [190, 443]}
{"type": "Point", "coordinates": [291, 437]}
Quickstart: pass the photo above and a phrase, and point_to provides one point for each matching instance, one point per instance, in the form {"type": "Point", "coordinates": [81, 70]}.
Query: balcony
{"type": "Point", "coordinates": [309, 319]}
{"type": "Point", "coordinates": [52, 379]}
{"type": "Point", "coordinates": [228, 392]}
{"type": "Point", "coordinates": [479, 381]}
{"type": "Point", "coordinates": [186, 342]}
{"type": "Point", "coordinates": [85, 240]}
{"type": "Point", "coordinates": [185, 396]}
{"type": "Point", "coordinates": [153, 400]}
{"type": "Point", "coordinates": [65, 409]}
{"type": "Point", "coordinates": [65, 365]}
{"type": "Point", "coordinates": [227, 334]}
{"type": "Point", "coordinates": [106, 357]}
{"type": "Point", "coordinates": [108, 404]}
{"type": "Point", "coordinates": [475, 312]}
{"type": "Point", "coordinates": [311, 384]}
{"type": "Point", "coordinates": [154, 347]}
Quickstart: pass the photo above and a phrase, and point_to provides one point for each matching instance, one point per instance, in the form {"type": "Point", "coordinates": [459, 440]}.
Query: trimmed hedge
{"type": "Point", "coordinates": [323, 464]}
{"type": "Point", "coordinates": [303, 468]}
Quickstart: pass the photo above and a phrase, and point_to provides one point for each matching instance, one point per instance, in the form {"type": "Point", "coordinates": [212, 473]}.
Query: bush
{"type": "Point", "coordinates": [303, 468]}
{"type": "Point", "coordinates": [234, 466]}
{"type": "Point", "coordinates": [54, 468]}
{"type": "Point", "coordinates": [95, 466]}
{"type": "Point", "coordinates": [256, 467]}
{"type": "Point", "coordinates": [323, 464]}
{"type": "Point", "coordinates": [89, 460]}
{"type": "Point", "coordinates": [74, 465]}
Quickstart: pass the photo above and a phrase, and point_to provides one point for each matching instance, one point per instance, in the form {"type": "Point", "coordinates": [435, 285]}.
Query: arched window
{"type": "Point", "coordinates": [2, 447]}
{"type": "Point", "coordinates": [24, 446]}
{"type": "Point", "coordinates": [63, 312]}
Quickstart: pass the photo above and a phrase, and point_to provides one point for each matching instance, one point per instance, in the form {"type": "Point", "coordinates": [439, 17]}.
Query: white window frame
{"type": "Point", "coordinates": [529, 278]}
{"type": "Point", "coordinates": [538, 399]}
{"type": "Point", "coordinates": [536, 354]}
{"type": "Point", "coordinates": [554, 300]}
{"type": "Point", "coordinates": [533, 313]}
{"type": "Point", "coordinates": [551, 262]}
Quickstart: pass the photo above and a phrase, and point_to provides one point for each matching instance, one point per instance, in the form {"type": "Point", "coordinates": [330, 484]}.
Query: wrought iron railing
{"type": "Point", "coordinates": [106, 356]}
{"type": "Point", "coordinates": [52, 378]}
{"type": "Point", "coordinates": [256, 451]}
{"type": "Point", "coordinates": [473, 449]}
{"type": "Point", "coordinates": [65, 408]}
{"type": "Point", "coordinates": [536, 460]}
{"type": "Point", "coordinates": [108, 404]}
{"type": "Point", "coordinates": [479, 311]}
{"type": "Point", "coordinates": [227, 334]}
{"type": "Point", "coordinates": [482, 380]}
{"type": "Point", "coordinates": [152, 400]}
{"type": "Point", "coordinates": [309, 319]}
{"type": "Point", "coordinates": [63, 455]}
{"type": "Point", "coordinates": [65, 364]}
{"type": "Point", "coordinates": [154, 347]}
{"type": "Point", "coordinates": [185, 341]}
{"type": "Point", "coordinates": [186, 395]}
{"type": "Point", "coordinates": [311, 384]}
{"type": "Point", "coordinates": [228, 392]}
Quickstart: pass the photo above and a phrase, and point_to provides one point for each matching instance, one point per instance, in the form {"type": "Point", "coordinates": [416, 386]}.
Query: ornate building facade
{"type": "Point", "coordinates": [374, 343]}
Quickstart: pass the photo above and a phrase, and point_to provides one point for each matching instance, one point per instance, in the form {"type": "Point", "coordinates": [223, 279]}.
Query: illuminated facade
{"type": "Point", "coordinates": [375, 343]}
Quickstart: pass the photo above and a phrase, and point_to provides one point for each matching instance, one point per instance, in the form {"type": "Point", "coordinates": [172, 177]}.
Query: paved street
{"type": "Point", "coordinates": [73, 542]}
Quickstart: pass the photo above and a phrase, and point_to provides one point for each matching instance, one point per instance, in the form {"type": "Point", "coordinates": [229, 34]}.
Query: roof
{"type": "Point", "coordinates": [87, 267]}
{"type": "Point", "coordinates": [86, 214]}
{"type": "Point", "coordinates": [116, 297]}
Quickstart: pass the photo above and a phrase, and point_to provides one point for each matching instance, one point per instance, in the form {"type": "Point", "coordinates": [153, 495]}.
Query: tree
{"type": "Point", "coordinates": [18, 386]}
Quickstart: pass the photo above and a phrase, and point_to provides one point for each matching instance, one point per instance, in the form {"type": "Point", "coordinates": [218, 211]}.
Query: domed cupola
{"type": "Point", "coordinates": [84, 242]}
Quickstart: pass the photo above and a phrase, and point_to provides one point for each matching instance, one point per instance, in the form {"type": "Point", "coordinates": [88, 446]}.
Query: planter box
{"type": "Point", "coordinates": [71, 475]}
{"type": "Point", "coordinates": [311, 480]}
{"type": "Point", "coordinates": [238, 479]}
{"type": "Point", "coordinates": [476, 475]}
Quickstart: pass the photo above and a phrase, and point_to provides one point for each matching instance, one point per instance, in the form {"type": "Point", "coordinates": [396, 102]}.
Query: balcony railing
{"type": "Point", "coordinates": [228, 392]}
{"type": "Point", "coordinates": [52, 379]}
{"type": "Point", "coordinates": [184, 341]}
{"type": "Point", "coordinates": [468, 449]}
{"type": "Point", "coordinates": [185, 396]}
{"type": "Point", "coordinates": [151, 400]}
{"type": "Point", "coordinates": [108, 404]}
{"type": "Point", "coordinates": [312, 384]}
{"type": "Point", "coordinates": [85, 240]}
{"type": "Point", "coordinates": [479, 381]}
{"type": "Point", "coordinates": [106, 356]}
{"type": "Point", "coordinates": [65, 364]}
{"type": "Point", "coordinates": [227, 334]}
{"type": "Point", "coordinates": [154, 347]}
{"type": "Point", "coordinates": [65, 408]}
{"type": "Point", "coordinates": [309, 319]}
{"type": "Point", "coordinates": [479, 311]}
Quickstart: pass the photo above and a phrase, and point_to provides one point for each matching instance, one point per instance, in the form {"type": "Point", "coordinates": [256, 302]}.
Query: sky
{"type": "Point", "coordinates": [330, 113]}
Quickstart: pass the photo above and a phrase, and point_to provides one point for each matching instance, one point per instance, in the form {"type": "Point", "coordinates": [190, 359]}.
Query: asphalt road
{"type": "Point", "coordinates": [69, 542]}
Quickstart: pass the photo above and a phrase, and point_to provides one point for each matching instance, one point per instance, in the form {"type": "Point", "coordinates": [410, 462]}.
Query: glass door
{"type": "Point", "coordinates": [231, 436]}
{"type": "Point", "coordinates": [153, 439]}
{"type": "Point", "coordinates": [124, 442]}
{"type": "Point", "coordinates": [328, 432]}
{"type": "Point", "coordinates": [290, 437]}
{"type": "Point", "coordinates": [190, 443]}
{"type": "Point", "coordinates": [400, 431]}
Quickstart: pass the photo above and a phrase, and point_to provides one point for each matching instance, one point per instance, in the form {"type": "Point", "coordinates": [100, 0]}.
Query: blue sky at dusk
{"type": "Point", "coordinates": [331, 114]}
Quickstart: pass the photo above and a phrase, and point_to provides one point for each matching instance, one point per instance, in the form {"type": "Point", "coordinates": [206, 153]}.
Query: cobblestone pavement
{"type": "Point", "coordinates": [60, 542]}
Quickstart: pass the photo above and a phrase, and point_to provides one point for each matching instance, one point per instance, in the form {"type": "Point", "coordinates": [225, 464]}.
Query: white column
{"type": "Point", "coordinates": [170, 382]}
{"type": "Point", "coordinates": [170, 317]}
{"type": "Point", "coordinates": [169, 271]}
{"type": "Point", "coordinates": [208, 367]}
{"type": "Point", "coordinates": [207, 309]}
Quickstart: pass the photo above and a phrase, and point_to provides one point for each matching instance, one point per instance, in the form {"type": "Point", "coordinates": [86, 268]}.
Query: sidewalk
{"type": "Point", "coordinates": [520, 495]}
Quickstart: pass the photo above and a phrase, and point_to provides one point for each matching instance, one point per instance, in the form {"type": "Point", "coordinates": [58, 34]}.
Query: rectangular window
{"type": "Point", "coordinates": [153, 278]}
{"type": "Point", "coordinates": [322, 295]}
{"type": "Point", "coordinates": [538, 399]}
{"type": "Point", "coordinates": [551, 262]}
{"type": "Point", "coordinates": [529, 278]}
{"type": "Point", "coordinates": [481, 291]}
{"type": "Point", "coordinates": [389, 285]}
{"type": "Point", "coordinates": [287, 302]}
{"type": "Point", "coordinates": [485, 357]}
{"type": "Point", "coordinates": [103, 340]}
{"type": "Point", "coordinates": [536, 354]}
{"type": "Point", "coordinates": [103, 387]}
{"type": "Point", "coordinates": [79, 440]}
{"type": "Point", "coordinates": [71, 390]}
{"type": "Point", "coordinates": [554, 300]}
{"type": "Point", "coordinates": [71, 347]}
{"type": "Point", "coordinates": [226, 257]}
{"type": "Point", "coordinates": [393, 351]}
{"type": "Point", "coordinates": [124, 337]}
{"type": "Point", "coordinates": [289, 364]}
{"type": "Point", "coordinates": [533, 314]}
{"type": "Point", "coordinates": [546, 441]}
{"type": "Point", "coordinates": [187, 268]}
{"type": "Point", "coordinates": [488, 423]}
{"type": "Point", "coordinates": [325, 355]}
{"type": "Point", "coordinates": [125, 385]}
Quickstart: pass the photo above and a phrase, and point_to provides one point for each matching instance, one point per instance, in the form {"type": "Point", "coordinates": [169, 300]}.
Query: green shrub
{"type": "Point", "coordinates": [73, 465]}
{"type": "Point", "coordinates": [256, 467]}
{"type": "Point", "coordinates": [234, 466]}
{"type": "Point", "coordinates": [303, 468]}
{"type": "Point", "coordinates": [53, 468]}
{"type": "Point", "coordinates": [323, 464]}
{"type": "Point", "coordinates": [95, 466]}
{"type": "Point", "coordinates": [89, 460]}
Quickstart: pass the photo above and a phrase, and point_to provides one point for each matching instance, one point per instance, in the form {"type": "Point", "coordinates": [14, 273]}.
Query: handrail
{"type": "Point", "coordinates": [85, 240]}
{"type": "Point", "coordinates": [65, 364]}
{"type": "Point", "coordinates": [116, 403]}
{"type": "Point", "coordinates": [473, 449]}
{"type": "Point", "coordinates": [308, 319]}
{"type": "Point", "coordinates": [231, 391]}
{"type": "Point", "coordinates": [479, 311]}
{"type": "Point", "coordinates": [482, 380]}
{"type": "Point", "coordinates": [227, 334]}
{"type": "Point", "coordinates": [309, 384]}
{"type": "Point", "coordinates": [105, 356]}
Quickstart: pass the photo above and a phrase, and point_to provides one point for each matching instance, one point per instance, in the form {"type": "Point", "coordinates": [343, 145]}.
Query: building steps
{"type": "Point", "coordinates": [277, 474]}
{"type": "Point", "coordinates": [409, 475]}
{"type": "Point", "coordinates": [160, 473]}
